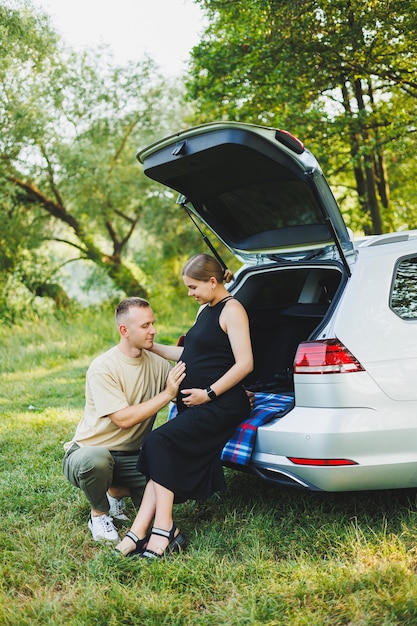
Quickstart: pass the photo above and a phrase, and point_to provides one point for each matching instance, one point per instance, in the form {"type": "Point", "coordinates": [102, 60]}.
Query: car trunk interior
{"type": "Point", "coordinates": [285, 307]}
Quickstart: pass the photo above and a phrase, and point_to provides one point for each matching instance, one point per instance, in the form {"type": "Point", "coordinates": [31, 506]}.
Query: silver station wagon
{"type": "Point", "coordinates": [333, 320]}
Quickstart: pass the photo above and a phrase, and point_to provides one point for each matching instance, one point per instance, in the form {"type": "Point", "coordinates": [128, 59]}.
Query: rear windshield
{"type": "Point", "coordinates": [277, 205]}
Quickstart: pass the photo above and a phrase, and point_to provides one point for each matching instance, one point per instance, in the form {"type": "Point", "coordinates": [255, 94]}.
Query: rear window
{"type": "Point", "coordinates": [257, 208]}
{"type": "Point", "coordinates": [404, 289]}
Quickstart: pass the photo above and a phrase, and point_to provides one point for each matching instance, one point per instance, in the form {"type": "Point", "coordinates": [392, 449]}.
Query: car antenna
{"type": "Point", "coordinates": [205, 239]}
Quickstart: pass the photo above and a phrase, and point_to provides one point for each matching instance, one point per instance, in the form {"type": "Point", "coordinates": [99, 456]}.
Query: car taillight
{"type": "Point", "coordinates": [322, 462]}
{"type": "Point", "coordinates": [328, 356]}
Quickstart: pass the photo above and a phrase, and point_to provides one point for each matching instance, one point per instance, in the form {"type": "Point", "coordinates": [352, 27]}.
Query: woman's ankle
{"type": "Point", "coordinates": [126, 545]}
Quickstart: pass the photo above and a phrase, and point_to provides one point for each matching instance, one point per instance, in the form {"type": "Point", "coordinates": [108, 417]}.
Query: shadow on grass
{"type": "Point", "coordinates": [388, 504]}
{"type": "Point", "coordinates": [285, 522]}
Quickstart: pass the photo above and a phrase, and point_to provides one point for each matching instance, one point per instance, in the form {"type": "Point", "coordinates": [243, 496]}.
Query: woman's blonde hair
{"type": "Point", "coordinates": [203, 267]}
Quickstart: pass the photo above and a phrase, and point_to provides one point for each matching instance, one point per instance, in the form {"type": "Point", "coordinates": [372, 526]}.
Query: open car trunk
{"type": "Point", "coordinates": [285, 307]}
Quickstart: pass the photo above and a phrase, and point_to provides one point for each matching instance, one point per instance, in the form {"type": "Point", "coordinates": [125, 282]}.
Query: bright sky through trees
{"type": "Point", "coordinates": [166, 30]}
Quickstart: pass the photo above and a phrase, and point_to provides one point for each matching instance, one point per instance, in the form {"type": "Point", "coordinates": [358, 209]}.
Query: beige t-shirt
{"type": "Point", "coordinates": [115, 381]}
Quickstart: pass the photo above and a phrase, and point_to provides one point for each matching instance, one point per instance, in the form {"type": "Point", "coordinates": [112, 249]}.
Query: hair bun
{"type": "Point", "coordinates": [228, 275]}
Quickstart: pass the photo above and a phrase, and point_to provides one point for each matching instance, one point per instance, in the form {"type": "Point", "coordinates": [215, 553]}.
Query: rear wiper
{"type": "Point", "coordinates": [314, 254]}
{"type": "Point", "coordinates": [276, 257]}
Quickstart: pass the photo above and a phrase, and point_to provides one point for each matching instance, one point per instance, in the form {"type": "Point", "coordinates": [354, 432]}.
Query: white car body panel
{"type": "Point", "coordinates": [373, 332]}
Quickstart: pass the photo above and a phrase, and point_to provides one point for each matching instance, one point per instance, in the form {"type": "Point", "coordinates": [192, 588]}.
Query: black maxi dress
{"type": "Point", "coordinates": [183, 454]}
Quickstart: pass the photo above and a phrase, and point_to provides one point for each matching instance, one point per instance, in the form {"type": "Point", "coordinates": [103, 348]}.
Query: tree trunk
{"type": "Point", "coordinates": [123, 278]}
{"type": "Point", "coordinates": [356, 157]}
{"type": "Point", "coordinates": [368, 161]}
{"type": "Point", "coordinates": [120, 274]}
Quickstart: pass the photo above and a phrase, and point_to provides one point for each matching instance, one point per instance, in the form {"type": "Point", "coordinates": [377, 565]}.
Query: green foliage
{"type": "Point", "coordinates": [258, 554]}
{"type": "Point", "coordinates": [340, 75]}
{"type": "Point", "coordinates": [25, 35]}
{"type": "Point", "coordinates": [72, 189]}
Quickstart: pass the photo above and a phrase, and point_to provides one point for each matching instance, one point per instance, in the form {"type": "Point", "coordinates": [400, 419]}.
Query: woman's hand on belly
{"type": "Point", "coordinates": [194, 396]}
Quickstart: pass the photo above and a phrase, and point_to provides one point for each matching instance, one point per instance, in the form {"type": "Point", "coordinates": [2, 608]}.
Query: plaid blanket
{"type": "Point", "coordinates": [239, 448]}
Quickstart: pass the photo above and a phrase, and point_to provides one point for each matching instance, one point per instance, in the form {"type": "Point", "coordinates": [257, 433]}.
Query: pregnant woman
{"type": "Point", "coordinates": [181, 458]}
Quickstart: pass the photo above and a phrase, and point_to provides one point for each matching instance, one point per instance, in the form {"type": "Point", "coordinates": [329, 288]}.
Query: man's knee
{"type": "Point", "coordinates": [87, 461]}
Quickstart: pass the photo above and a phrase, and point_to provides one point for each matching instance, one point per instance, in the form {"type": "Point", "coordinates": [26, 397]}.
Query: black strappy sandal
{"type": "Point", "coordinates": [139, 543]}
{"type": "Point", "coordinates": [176, 544]}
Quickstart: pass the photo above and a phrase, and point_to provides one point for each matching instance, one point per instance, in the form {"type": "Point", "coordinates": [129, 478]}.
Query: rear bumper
{"type": "Point", "coordinates": [380, 443]}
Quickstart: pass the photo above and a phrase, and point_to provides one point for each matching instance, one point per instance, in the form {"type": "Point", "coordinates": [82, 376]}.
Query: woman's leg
{"type": "Point", "coordinates": [142, 520]}
{"type": "Point", "coordinates": [156, 504]}
{"type": "Point", "coordinates": [164, 501]}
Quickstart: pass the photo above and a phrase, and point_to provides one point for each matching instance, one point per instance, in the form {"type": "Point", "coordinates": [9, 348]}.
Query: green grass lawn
{"type": "Point", "coordinates": [258, 554]}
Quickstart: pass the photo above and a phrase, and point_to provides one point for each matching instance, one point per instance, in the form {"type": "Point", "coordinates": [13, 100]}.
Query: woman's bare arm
{"type": "Point", "coordinates": [172, 353]}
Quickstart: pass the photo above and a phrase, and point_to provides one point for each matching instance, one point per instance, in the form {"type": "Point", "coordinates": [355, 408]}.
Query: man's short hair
{"type": "Point", "coordinates": [123, 307]}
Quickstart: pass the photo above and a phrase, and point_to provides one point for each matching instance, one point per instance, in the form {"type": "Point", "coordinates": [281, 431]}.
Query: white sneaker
{"type": "Point", "coordinates": [117, 509]}
{"type": "Point", "coordinates": [102, 528]}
